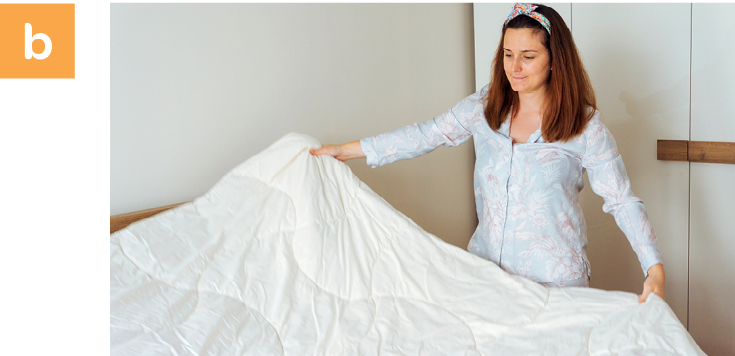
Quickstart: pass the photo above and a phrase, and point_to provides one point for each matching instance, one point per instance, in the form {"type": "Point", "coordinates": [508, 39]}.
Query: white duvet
{"type": "Point", "coordinates": [291, 254]}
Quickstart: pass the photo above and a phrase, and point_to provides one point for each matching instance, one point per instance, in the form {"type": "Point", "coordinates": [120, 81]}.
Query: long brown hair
{"type": "Point", "coordinates": [569, 95]}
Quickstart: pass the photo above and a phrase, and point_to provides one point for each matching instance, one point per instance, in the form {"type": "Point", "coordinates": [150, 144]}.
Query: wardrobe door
{"type": "Point", "coordinates": [489, 20]}
{"type": "Point", "coordinates": [637, 56]}
{"type": "Point", "coordinates": [712, 237]}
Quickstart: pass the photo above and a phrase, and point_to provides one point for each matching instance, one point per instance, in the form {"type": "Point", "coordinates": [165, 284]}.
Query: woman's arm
{"type": "Point", "coordinates": [343, 152]}
{"type": "Point", "coordinates": [609, 180]}
{"type": "Point", "coordinates": [449, 129]}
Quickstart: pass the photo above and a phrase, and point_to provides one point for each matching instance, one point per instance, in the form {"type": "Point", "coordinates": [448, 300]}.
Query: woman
{"type": "Point", "coordinates": [536, 128]}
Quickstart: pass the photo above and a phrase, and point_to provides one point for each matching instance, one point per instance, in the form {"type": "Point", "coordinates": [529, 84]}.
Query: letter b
{"type": "Point", "coordinates": [29, 44]}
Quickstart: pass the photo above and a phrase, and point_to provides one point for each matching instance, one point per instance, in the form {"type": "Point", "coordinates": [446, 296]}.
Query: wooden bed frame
{"type": "Point", "coordinates": [121, 221]}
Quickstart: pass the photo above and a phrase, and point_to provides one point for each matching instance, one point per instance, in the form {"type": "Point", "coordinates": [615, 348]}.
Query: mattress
{"type": "Point", "coordinates": [291, 254]}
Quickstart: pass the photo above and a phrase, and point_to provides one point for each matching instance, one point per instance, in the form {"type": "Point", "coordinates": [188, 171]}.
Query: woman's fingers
{"type": "Point", "coordinates": [649, 290]}
{"type": "Point", "coordinates": [324, 150]}
{"type": "Point", "coordinates": [330, 150]}
{"type": "Point", "coordinates": [341, 152]}
{"type": "Point", "coordinates": [644, 295]}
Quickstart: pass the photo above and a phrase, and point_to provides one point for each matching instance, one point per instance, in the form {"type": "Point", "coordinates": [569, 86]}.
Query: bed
{"type": "Point", "coordinates": [291, 254]}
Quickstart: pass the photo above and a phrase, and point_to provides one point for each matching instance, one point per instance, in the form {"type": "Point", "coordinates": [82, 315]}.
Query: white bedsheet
{"type": "Point", "coordinates": [290, 254]}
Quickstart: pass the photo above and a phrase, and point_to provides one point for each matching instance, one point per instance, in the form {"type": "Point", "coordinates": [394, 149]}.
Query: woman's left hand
{"type": "Point", "coordinates": [655, 282]}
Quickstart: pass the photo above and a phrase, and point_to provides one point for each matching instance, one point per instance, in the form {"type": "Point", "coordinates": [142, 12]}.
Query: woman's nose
{"type": "Point", "coordinates": [516, 65]}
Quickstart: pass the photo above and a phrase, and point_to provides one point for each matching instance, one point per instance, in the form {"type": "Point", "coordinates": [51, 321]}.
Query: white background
{"type": "Point", "coordinates": [54, 154]}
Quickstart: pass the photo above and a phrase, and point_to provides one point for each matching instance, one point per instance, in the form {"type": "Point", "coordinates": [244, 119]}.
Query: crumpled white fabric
{"type": "Point", "coordinates": [291, 254]}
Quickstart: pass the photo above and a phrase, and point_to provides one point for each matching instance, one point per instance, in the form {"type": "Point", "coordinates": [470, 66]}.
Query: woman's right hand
{"type": "Point", "coordinates": [341, 152]}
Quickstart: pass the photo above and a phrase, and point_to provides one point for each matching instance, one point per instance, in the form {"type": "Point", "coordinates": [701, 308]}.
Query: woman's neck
{"type": "Point", "coordinates": [532, 102]}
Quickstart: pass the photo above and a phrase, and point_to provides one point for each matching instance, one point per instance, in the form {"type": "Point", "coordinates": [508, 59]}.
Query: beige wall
{"type": "Point", "coordinates": [198, 88]}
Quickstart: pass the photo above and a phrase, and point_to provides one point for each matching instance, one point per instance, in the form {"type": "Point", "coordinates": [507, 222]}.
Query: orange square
{"type": "Point", "coordinates": [36, 40]}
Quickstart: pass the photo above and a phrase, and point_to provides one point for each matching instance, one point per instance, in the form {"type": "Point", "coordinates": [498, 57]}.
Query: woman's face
{"type": "Point", "coordinates": [526, 61]}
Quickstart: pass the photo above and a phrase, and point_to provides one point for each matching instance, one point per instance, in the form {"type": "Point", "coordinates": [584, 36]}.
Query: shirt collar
{"type": "Point", "coordinates": [534, 138]}
{"type": "Point", "coordinates": [505, 128]}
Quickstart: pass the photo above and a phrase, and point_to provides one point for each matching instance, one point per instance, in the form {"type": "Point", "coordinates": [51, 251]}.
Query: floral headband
{"type": "Point", "coordinates": [528, 10]}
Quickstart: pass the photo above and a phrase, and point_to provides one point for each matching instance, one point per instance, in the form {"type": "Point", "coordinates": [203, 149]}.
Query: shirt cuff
{"type": "Point", "coordinates": [369, 151]}
{"type": "Point", "coordinates": [650, 260]}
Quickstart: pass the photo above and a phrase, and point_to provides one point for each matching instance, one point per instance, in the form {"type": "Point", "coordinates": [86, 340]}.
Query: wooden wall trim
{"type": "Point", "coordinates": [712, 152]}
{"type": "Point", "coordinates": [695, 151]}
{"type": "Point", "coordinates": [671, 150]}
{"type": "Point", "coordinates": [121, 221]}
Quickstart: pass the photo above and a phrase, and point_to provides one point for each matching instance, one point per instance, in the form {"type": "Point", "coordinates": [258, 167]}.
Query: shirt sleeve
{"type": "Point", "coordinates": [609, 180]}
{"type": "Point", "coordinates": [451, 128]}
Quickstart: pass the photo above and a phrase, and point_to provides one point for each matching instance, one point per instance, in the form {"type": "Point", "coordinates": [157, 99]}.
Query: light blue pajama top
{"type": "Point", "coordinates": [527, 195]}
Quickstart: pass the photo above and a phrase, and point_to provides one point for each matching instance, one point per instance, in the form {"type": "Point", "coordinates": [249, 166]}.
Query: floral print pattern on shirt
{"type": "Point", "coordinates": [527, 195]}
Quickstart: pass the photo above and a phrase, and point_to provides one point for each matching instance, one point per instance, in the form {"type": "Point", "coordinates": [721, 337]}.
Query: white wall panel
{"type": "Point", "coordinates": [712, 238]}
{"type": "Point", "coordinates": [713, 76]}
{"type": "Point", "coordinates": [637, 56]}
{"type": "Point", "coordinates": [489, 20]}
{"type": "Point", "coordinates": [712, 275]}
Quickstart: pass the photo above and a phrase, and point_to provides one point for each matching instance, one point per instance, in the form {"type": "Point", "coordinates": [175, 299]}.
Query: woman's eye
{"type": "Point", "coordinates": [507, 55]}
{"type": "Point", "coordinates": [528, 57]}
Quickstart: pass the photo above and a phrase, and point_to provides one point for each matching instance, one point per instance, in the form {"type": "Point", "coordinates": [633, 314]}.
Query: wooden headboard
{"type": "Point", "coordinates": [118, 222]}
